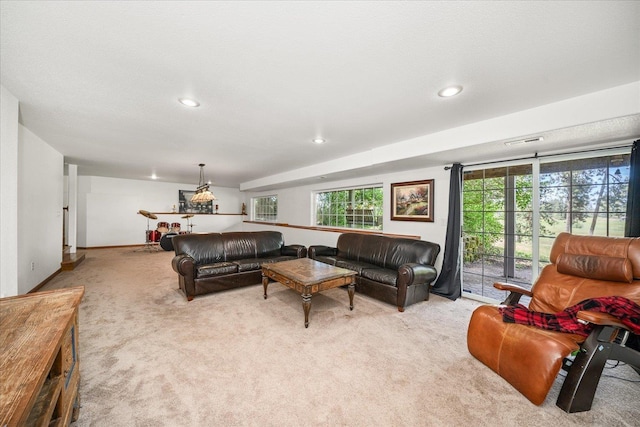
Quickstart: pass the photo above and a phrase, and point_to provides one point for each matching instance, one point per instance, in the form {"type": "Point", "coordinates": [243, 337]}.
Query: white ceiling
{"type": "Point", "coordinates": [99, 81]}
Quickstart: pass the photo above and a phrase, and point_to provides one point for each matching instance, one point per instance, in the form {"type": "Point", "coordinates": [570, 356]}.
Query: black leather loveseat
{"type": "Point", "coordinates": [212, 262]}
{"type": "Point", "coordinates": [394, 270]}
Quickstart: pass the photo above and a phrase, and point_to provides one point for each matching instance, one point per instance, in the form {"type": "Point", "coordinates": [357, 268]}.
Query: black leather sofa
{"type": "Point", "coordinates": [212, 262]}
{"type": "Point", "coordinates": [394, 270]}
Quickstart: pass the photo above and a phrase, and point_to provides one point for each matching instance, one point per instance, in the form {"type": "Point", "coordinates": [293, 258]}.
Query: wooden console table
{"type": "Point", "coordinates": [39, 363]}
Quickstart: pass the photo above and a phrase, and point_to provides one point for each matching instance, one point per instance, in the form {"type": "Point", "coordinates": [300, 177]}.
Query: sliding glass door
{"type": "Point", "coordinates": [497, 228]}
{"type": "Point", "coordinates": [513, 211]}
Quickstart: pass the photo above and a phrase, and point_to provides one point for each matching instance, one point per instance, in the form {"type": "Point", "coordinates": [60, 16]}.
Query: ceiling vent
{"type": "Point", "coordinates": [524, 141]}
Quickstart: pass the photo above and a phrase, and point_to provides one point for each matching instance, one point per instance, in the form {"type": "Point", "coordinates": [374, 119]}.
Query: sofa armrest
{"type": "Point", "coordinates": [416, 274]}
{"type": "Point", "coordinates": [184, 265]}
{"type": "Point", "coordinates": [515, 292]}
{"type": "Point", "coordinates": [321, 250]}
{"type": "Point", "coordinates": [294, 250]}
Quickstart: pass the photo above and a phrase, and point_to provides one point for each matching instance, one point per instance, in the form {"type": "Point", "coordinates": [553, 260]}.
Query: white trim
{"type": "Point", "coordinates": [535, 207]}
{"type": "Point", "coordinates": [480, 298]}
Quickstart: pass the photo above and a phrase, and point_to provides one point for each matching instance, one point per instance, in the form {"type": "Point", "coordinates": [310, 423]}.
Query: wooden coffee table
{"type": "Point", "coordinates": [307, 277]}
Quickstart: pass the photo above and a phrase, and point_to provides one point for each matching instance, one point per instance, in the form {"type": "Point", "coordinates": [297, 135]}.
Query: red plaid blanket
{"type": "Point", "coordinates": [627, 311]}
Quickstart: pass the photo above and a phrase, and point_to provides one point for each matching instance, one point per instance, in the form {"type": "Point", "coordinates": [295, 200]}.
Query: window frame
{"type": "Point", "coordinates": [271, 199]}
{"type": "Point", "coordinates": [374, 215]}
{"type": "Point", "coordinates": [536, 201]}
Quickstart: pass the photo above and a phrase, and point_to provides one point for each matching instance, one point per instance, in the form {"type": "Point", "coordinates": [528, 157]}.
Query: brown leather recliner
{"type": "Point", "coordinates": [530, 358]}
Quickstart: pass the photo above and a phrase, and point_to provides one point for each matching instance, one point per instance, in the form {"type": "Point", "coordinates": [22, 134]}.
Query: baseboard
{"type": "Point", "coordinates": [45, 281]}
{"type": "Point", "coordinates": [110, 247]}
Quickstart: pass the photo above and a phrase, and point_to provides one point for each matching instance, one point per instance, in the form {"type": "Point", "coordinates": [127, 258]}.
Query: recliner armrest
{"type": "Point", "coordinates": [515, 292]}
{"type": "Point", "coordinates": [512, 288]}
{"type": "Point", "coordinates": [299, 251]}
{"type": "Point", "coordinates": [321, 250]}
{"type": "Point", "coordinates": [602, 319]}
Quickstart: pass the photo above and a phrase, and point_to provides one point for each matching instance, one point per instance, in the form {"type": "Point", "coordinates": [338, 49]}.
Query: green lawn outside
{"type": "Point", "coordinates": [524, 247]}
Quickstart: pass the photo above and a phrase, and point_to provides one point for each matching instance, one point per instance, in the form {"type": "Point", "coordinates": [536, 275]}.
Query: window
{"type": "Point", "coordinates": [265, 208]}
{"type": "Point", "coordinates": [582, 196]}
{"type": "Point", "coordinates": [506, 240]}
{"type": "Point", "coordinates": [350, 208]}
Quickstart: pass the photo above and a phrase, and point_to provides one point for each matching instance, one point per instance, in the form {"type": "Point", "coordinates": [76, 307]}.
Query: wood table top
{"type": "Point", "coordinates": [308, 271]}
{"type": "Point", "coordinates": [31, 327]}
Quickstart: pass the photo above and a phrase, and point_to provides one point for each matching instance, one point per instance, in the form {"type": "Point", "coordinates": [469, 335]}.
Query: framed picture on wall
{"type": "Point", "coordinates": [185, 205]}
{"type": "Point", "coordinates": [412, 201]}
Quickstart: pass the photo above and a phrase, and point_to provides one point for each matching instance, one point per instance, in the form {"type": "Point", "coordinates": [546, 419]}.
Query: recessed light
{"type": "Point", "coordinates": [450, 91]}
{"type": "Point", "coordinates": [189, 102]}
{"type": "Point", "coordinates": [154, 176]}
{"type": "Point", "coordinates": [318, 140]}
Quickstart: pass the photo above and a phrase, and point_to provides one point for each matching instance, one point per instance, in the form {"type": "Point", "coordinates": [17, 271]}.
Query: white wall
{"type": "Point", "coordinates": [295, 203]}
{"type": "Point", "coordinates": [295, 207]}
{"type": "Point", "coordinates": [107, 210]}
{"type": "Point", "coordinates": [40, 184]}
{"type": "Point", "coordinates": [615, 102]}
{"type": "Point", "coordinates": [8, 193]}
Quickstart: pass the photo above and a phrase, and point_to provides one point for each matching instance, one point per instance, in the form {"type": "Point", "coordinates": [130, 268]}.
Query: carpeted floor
{"type": "Point", "coordinates": [149, 358]}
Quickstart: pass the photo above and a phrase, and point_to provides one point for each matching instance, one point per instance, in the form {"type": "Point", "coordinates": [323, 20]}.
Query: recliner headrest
{"type": "Point", "coordinates": [597, 247]}
{"type": "Point", "coordinates": [613, 269]}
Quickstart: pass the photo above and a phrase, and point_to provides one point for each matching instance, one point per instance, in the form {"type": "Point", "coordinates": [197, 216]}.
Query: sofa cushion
{"type": "Point", "coordinates": [244, 245]}
{"type": "Point", "coordinates": [371, 249]}
{"type": "Point", "coordinates": [326, 259]}
{"type": "Point", "coordinates": [406, 251]}
{"type": "Point", "coordinates": [256, 263]}
{"type": "Point", "coordinates": [205, 248]}
{"type": "Point", "coordinates": [277, 259]}
{"type": "Point", "coordinates": [216, 269]}
{"type": "Point", "coordinates": [382, 275]}
{"type": "Point", "coordinates": [269, 243]}
{"type": "Point", "coordinates": [239, 246]}
{"type": "Point", "coordinates": [356, 266]}
{"type": "Point", "coordinates": [248, 264]}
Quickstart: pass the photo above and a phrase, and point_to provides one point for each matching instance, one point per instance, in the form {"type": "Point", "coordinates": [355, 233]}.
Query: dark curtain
{"type": "Point", "coordinates": [632, 224]}
{"type": "Point", "coordinates": [448, 283]}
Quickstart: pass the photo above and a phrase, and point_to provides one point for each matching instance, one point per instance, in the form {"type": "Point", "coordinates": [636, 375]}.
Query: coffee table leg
{"type": "Point", "coordinates": [306, 306]}
{"type": "Point", "coordinates": [351, 288]}
{"type": "Point", "coordinates": [265, 283]}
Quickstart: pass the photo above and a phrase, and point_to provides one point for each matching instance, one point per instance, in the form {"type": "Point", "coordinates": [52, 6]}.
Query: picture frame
{"type": "Point", "coordinates": [185, 205]}
{"type": "Point", "coordinates": [412, 201]}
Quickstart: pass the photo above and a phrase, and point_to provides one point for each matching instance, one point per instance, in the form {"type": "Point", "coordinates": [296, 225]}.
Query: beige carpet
{"type": "Point", "coordinates": [149, 358]}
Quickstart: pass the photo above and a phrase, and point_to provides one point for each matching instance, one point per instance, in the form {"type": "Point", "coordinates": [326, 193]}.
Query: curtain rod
{"type": "Point", "coordinates": [535, 156]}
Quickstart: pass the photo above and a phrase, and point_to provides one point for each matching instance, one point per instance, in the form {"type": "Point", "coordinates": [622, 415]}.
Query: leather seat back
{"type": "Point", "coordinates": [211, 248]}
{"type": "Point", "coordinates": [206, 248]}
{"type": "Point", "coordinates": [385, 251]}
{"type": "Point", "coordinates": [585, 267]}
{"type": "Point", "coordinates": [257, 244]}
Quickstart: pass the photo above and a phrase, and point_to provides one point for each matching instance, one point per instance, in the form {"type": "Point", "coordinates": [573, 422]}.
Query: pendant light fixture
{"type": "Point", "coordinates": [203, 195]}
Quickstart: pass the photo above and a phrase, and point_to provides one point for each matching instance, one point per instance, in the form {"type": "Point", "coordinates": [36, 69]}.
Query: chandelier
{"type": "Point", "coordinates": [203, 195]}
